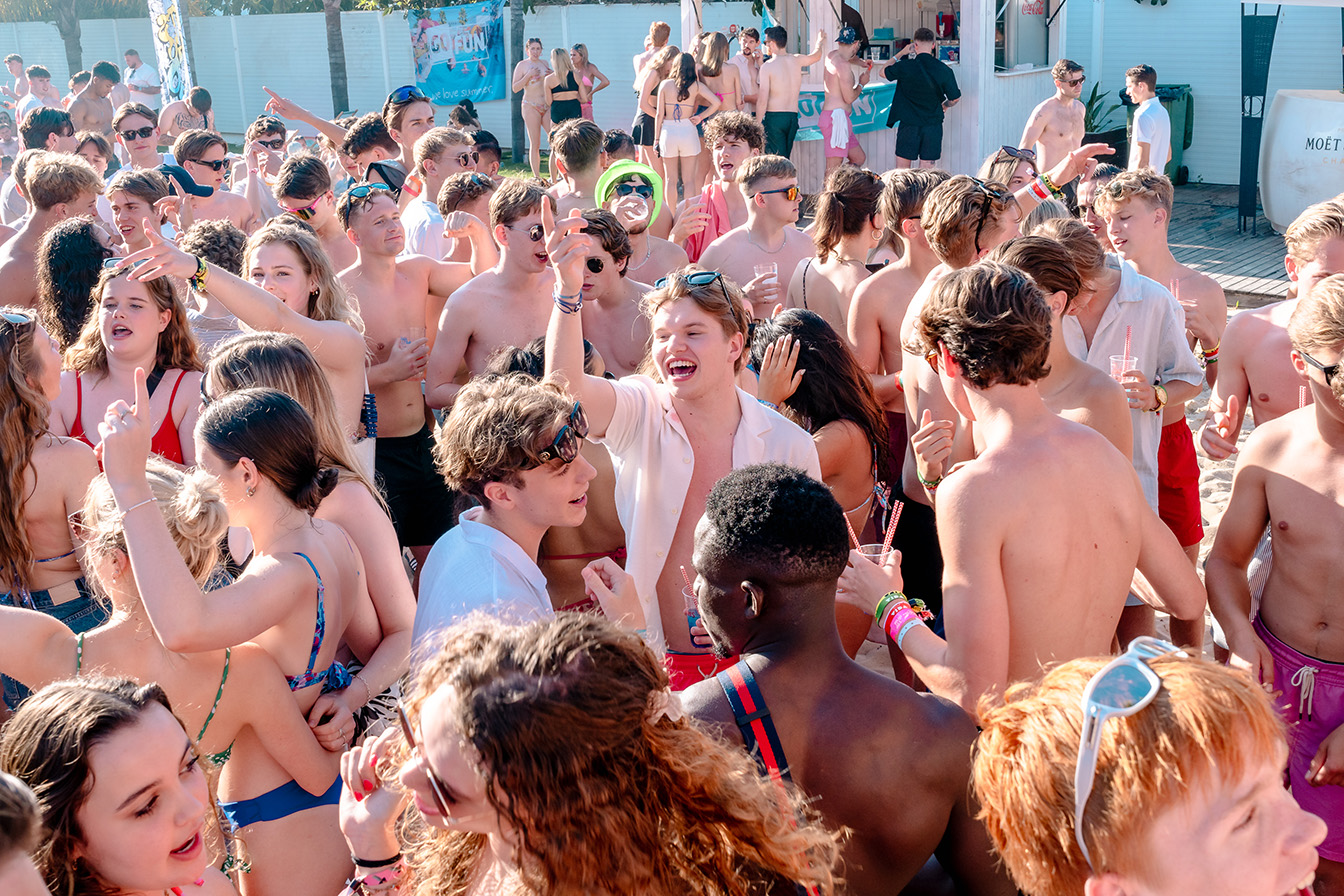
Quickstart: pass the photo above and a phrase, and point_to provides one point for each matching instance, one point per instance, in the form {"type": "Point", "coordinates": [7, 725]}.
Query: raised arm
{"type": "Point", "coordinates": [569, 250]}
{"type": "Point", "coordinates": [818, 50]}
{"type": "Point", "coordinates": [292, 111]}
{"type": "Point", "coordinates": [36, 649]}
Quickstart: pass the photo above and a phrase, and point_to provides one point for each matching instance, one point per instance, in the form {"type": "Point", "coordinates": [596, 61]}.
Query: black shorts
{"type": "Point", "coordinates": [641, 131]}
{"type": "Point", "coordinates": [420, 502]}
{"type": "Point", "coordinates": [919, 141]}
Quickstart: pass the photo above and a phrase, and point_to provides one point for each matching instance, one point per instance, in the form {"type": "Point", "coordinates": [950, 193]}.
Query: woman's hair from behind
{"type": "Point", "coordinates": [1087, 255]}
{"type": "Point", "coordinates": [1000, 166]}
{"type": "Point", "coordinates": [280, 361]}
{"type": "Point", "coordinates": [606, 793]}
{"type": "Point", "coordinates": [561, 66]}
{"type": "Point", "coordinates": [685, 76]}
{"type": "Point", "coordinates": [658, 63]}
{"type": "Point", "coordinates": [277, 434]}
{"type": "Point", "coordinates": [191, 507]}
{"type": "Point", "coordinates": [330, 300]}
{"type": "Point", "coordinates": [19, 814]}
{"type": "Point", "coordinates": [835, 386]}
{"type": "Point", "coordinates": [177, 350]}
{"type": "Point", "coordinates": [713, 54]}
{"type": "Point", "coordinates": [46, 745]}
{"type": "Point", "coordinates": [1045, 211]}
{"type": "Point", "coordinates": [67, 272]}
{"type": "Point", "coordinates": [851, 198]}
{"type": "Point", "coordinates": [24, 413]}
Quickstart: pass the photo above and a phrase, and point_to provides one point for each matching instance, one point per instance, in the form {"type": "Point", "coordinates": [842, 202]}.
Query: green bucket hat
{"type": "Point", "coordinates": [606, 184]}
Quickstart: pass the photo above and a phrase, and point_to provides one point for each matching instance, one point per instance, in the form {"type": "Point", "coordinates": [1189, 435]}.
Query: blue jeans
{"type": "Point", "coordinates": [79, 614]}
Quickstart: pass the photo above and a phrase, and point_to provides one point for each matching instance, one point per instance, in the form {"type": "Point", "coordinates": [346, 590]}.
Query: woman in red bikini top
{"type": "Point", "coordinates": [137, 325]}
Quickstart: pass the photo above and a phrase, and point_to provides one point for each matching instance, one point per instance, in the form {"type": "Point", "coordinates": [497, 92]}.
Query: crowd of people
{"type": "Point", "coordinates": [375, 523]}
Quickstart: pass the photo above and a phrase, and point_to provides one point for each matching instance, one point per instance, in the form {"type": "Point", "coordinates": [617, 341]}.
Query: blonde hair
{"type": "Point", "coordinates": [1145, 184]}
{"type": "Point", "coordinates": [722, 299]}
{"type": "Point", "coordinates": [954, 211]}
{"type": "Point", "coordinates": [1317, 323]}
{"type": "Point", "coordinates": [1207, 723]}
{"type": "Point", "coordinates": [19, 828]}
{"type": "Point", "coordinates": [331, 300]}
{"type": "Point", "coordinates": [1316, 224]}
{"type": "Point", "coordinates": [758, 168]}
{"type": "Point", "coordinates": [189, 502]}
{"type": "Point", "coordinates": [60, 177]}
{"type": "Point", "coordinates": [435, 141]}
{"type": "Point", "coordinates": [1084, 250]}
{"type": "Point", "coordinates": [561, 65]}
{"type": "Point", "coordinates": [659, 62]}
{"type": "Point", "coordinates": [177, 344]}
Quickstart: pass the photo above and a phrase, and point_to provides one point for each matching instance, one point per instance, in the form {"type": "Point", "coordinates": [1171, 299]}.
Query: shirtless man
{"type": "Point", "coordinates": [506, 305]}
{"type": "Point", "coordinates": [733, 137]}
{"type": "Point", "coordinates": [40, 92]}
{"type": "Point", "coordinates": [1137, 207]}
{"type": "Point", "coordinates": [14, 63]}
{"type": "Point", "coordinates": [770, 184]}
{"type": "Point", "coordinates": [196, 112]}
{"type": "Point", "coordinates": [203, 154]}
{"type": "Point", "coordinates": [654, 41]}
{"type": "Point", "coordinates": [748, 62]}
{"type": "Point", "coordinates": [673, 438]}
{"type": "Point", "coordinates": [1055, 127]}
{"type": "Point", "coordinates": [613, 322]}
{"type": "Point", "coordinates": [769, 550]}
{"type": "Point", "coordinates": [633, 193]}
{"type": "Point", "coordinates": [91, 110]}
{"type": "Point", "coordinates": [1016, 598]}
{"type": "Point", "coordinates": [1289, 477]}
{"type": "Point", "coordinates": [263, 154]}
{"type": "Point", "coordinates": [303, 189]}
{"type": "Point", "coordinates": [396, 303]}
{"type": "Point", "coordinates": [842, 89]}
{"type": "Point", "coordinates": [59, 186]}
{"type": "Point", "coordinates": [781, 82]}
{"type": "Point", "coordinates": [575, 147]}
{"type": "Point", "coordinates": [1255, 370]}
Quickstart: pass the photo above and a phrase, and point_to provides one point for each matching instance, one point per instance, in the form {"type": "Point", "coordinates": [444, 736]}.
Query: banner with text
{"type": "Point", "coordinates": [459, 52]}
{"type": "Point", "coordinates": [170, 50]}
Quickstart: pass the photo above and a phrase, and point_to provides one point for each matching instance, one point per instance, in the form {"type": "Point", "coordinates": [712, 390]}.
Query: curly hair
{"type": "Point", "coordinates": [24, 413]}
{"type": "Point", "coordinates": [734, 125]}
{"type": "Point", "coordinates": [993, 320]}
{"type": "Point", "coordinates": [331, 300]}
{"type": "Point", "coordinates": [218, 241]}
{"type": "Point", "coordinates": [604, 795]}
{"type": "Point", "coordinates": [177, 345]}
{"type": "Point", "coordinates": [68, 265]}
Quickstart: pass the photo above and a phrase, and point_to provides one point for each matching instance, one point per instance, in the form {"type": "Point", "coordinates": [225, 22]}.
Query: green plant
{"type": "Point", "coordinates": [1096, 114]}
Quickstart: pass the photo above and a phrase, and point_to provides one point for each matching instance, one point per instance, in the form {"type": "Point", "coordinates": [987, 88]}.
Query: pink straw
{"type": "Point", "coordinates": [1129, 334]}
{"type": "Point", "coordinates": [1301, 396]}
{"type": "Point", "coordinates": [891, 526]}
{"type": "Point", "coordinates": [852, 533]}
{"type": "Point", "coordinates": [686, 577]}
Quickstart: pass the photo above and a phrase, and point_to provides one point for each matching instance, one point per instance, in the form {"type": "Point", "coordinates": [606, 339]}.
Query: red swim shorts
{"type": "Point", "coordinates": [1178, 483]}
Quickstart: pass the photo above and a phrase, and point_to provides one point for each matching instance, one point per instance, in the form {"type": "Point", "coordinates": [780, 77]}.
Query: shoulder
{"type": "Point", "coordinates": [70, 455]}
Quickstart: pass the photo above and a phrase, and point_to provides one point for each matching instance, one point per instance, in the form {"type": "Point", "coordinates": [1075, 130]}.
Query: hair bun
{"type": "Point", "coordinates": [310, 498]}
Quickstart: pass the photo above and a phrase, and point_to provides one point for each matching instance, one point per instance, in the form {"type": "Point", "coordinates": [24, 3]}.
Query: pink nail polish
{"type": "Point", "coordinates": [200, 881]}
{"type": "Point", "coordinates": [373, 762]}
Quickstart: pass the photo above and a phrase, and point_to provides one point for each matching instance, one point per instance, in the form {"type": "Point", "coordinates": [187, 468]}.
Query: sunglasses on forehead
{"type": "Point", "coordinates": [696, 278]}
{"type": "Point", "coordinates": [1026, 155]}
{"type": "Point", "coordinates": [406, 94]}
{"type": "Point", "coordinates": [565, 446]}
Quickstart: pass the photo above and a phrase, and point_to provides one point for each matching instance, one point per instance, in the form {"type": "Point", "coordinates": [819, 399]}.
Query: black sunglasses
{"type": "Point", "coordinates": [130, 135]}
{"type": "Point", "coordinates": [534, 233]}
{"type": "Point", "coordinates": [205, 396]}
{"type": "Point", "coordinates": [596, 265]}
{"type": "Point", "coordinates": [697, 278]}
{"type": "Point", "coordinates": [276, 144]}
{"type": "Point", "coordinates": [217, 165]}
{"type": "Point", "coordinates": [303, 213]}
{"type": "Point", "coordinates": [406, 94]}
{"type": "Point", "coordinates": [1328, 371]}
{"type": "Point", "coordinates": [790, 193]}
{"type": "Point", "coordinates": [626, 189]}
{"type": "Point", "coordinates": [468, 158]}
{"type": "Point", "coordinates": [1026, 155]}
{"type": "Point", "coordinates": [992, 192]}
{"type": "Point", "coordinates": [436, 786]}
{"type": "Point", "coordinates": [565, 446]}
{"type": "Point", "coordinates": [1073, 82]}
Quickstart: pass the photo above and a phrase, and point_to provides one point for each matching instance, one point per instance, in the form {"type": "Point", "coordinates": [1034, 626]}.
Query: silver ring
{"type": "Point", "coordinates": [122, 416]}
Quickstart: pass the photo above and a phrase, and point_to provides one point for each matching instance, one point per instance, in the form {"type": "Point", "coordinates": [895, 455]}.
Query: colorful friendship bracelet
{"type": "Point", "coordinates": [197, 279]}
{"type": "Point", "coordinates": [377, 882]}
{"type": "Point", "coordinates": [568, 304]}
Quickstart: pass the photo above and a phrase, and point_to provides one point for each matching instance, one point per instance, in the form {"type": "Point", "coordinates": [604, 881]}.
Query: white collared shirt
{"type": "Point", "coordinates": [1159, 343]}
{"type": "Point", "coordinates": [653, 461]}
{"type": "Point", "coordinates": [474, 566]}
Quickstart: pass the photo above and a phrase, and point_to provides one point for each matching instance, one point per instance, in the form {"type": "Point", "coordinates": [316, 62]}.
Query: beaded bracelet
{"type": "Point", "coordinates": [1050, 185]}
{"type": "Point", "coordinates": [197, 279]}
{"type": "Point", "coordinates": [568, 304]}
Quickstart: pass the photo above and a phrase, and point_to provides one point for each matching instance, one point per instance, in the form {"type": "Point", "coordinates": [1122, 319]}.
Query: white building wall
{"type": "Point", "coordinates": [1198, 42]}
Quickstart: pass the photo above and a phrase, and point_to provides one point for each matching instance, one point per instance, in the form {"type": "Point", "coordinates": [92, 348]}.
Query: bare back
{"type": "Point", "coordinates": [785, 76]}
{"type": "Point", "coordinates": [56, 481]}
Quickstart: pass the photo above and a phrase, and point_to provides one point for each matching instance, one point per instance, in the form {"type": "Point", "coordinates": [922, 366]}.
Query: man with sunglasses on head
{"type": "Point", "coordinates": [512, 444]}
{"type": "Point", "coordinates": [633, 192]}
{"type": "Point", "coordinates": [204, 156]}
{"type": "Point", "coordinates": [408, 115]}
{"type": "Point", "coordinates": [614, 323]}
{"type": "Point", "coordinates": [770, 184]}
{"type": "Point", "coordinates": [1289, 477]}
{"type": "Point", "coordinates": [1017, 596]}
{"type": "Point", "coordinates": [439, 154]}
{"type": "Point", "coordinates": [400, 299]}
{"type": "Point", "coordinates": [506, 305]}
{"type": "Point", "coordinates": [1055, 127]}
{"type": "Point", "coordinates": [137, 129]}
{"type": "Point", "coordinates": [671, 438]}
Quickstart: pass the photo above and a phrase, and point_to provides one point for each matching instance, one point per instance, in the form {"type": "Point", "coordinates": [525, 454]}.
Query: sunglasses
{"type": "Point", "coordinates": [1074, 82]}
{"type": "Point", "coordinates": [790, 193]}
{"type": "Point", "coordinates": [406, 94]}
{"type": "Point", "coordinates": [217, 165]}
{"type": "Point", "coordinates": [110, 263]}
{"type": "Point", "coordinates": [565, 446]}
{"type": "Point", "coordinates": [437, 789]}
{"type": "Point", "coordinates": [205, 396]}
{"type": "Point", "coordinates": [643, 190]}
{"type": "Point", "coordinates": [276, 144]}
{"type": "Point", "coordinates": [141, 133]}
{"type": "Point", "coordinates": [306, 212]}
{"type": "Point", "coordinates": [1123, 687]}
{"type": "Point", "coordinates": [596, 265]}
{"type": "Point", "coordinates": [534, 233]}
{"type": "Point", "coordinates": [992, 193]}
{"type": "Point", "coordinates": [19, 325]}
{"type": "Point", "coordinates": [365, 190]}
{"type": "Point", "coordinates": [698, 278]}
{"type": "Point", "coordinates": [932, 357]}
{"type": "Point", "coordinates": [468, 158]}
{"type": "Point", "coordinates": [1328, 371]}
{"type": "Point", "coordinates": [1026, 155]}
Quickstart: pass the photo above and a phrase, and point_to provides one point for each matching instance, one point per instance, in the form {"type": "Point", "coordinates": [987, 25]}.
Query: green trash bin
{"type": "Point", "coordinates": [1180, 105]}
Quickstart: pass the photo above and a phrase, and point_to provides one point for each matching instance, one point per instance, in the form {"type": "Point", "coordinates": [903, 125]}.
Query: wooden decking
{"type": "Point", "coordinates": [1204, 236]}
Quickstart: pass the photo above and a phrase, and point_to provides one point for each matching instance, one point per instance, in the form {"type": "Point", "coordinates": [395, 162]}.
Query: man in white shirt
{"type": "Point", "coordinates": [39, 84]}
{"type": "Point", "coordinates": [142, 81]}
{"type": "Point", "coordinates": [1150, 145]}
{"type": "Point", "coordinates": [513, 445]}
{"type": "Point", "coordinates": [673, 438]}
{"type": "Point", "coordinates": [439, 154]}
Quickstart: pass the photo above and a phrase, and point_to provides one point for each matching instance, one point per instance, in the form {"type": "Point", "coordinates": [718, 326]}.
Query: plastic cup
{"type": "Point", "coordinates": [692, 606]}
{"type": "Point", "coordinates": [1120, 365]}
{"type": "Point", "coordinates": [768, 268]}
{"type": "Point", "coordinates": [875, 553]}
{"type": "Point", "coordinates": [411, 334]}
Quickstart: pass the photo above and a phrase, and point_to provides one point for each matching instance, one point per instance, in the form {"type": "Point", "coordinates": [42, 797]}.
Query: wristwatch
{"type": "Point", "coordinates": [1160, 393]}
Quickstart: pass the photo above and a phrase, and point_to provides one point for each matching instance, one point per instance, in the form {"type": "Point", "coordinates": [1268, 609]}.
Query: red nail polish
{"type": "Point", "coordinates": [177, 891]}
{"type": "Point", "coordinates": [368, 785]}
{"type": "Point", "coordinates": [359, 797]}
{"type": "Point", "coordinates": [373, 762]}
{"type": "Point", "coordinates": [200, 881]}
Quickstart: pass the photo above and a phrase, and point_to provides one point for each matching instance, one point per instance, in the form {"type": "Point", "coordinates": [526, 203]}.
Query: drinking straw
{"type": "Point", "coordinates": [852, 533]}
{"type": "Point", "coordinates": [687, 578]}
{"type": "Point", "coordinates": [1301, 396]}
{"type": "Point", "coordinates": [891, 526]}
{"type": "Point", "coordinates": [1129, 333]}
